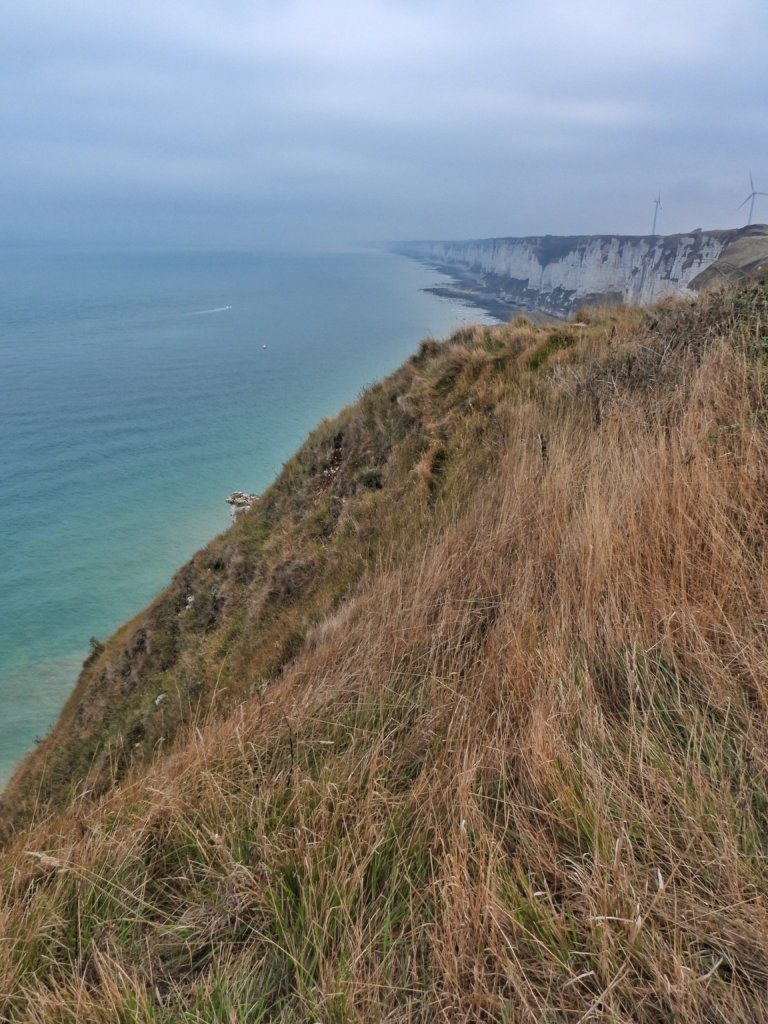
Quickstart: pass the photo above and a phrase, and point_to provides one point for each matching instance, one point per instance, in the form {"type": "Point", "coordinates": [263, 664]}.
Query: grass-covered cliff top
{"type": "Point", "coordinates": [464, 721]}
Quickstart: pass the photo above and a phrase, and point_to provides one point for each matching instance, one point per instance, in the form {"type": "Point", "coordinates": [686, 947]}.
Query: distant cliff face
{"type": "Point", "coordinates": [558, 274]}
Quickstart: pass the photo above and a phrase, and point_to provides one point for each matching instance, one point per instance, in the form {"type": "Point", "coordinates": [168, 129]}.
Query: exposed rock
{"type": "Point", "coordinates": [558, 274]}
{"type": "Point", "coordinates": [240, 501]}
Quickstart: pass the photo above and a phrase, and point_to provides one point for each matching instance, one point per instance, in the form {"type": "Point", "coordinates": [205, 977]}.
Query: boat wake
{"type": "Point", "coordinates": [203, 312]}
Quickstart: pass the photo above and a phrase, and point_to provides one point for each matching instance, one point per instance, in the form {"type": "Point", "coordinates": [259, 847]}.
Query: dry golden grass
{"type": "Point", "coordinates": [519, 775]}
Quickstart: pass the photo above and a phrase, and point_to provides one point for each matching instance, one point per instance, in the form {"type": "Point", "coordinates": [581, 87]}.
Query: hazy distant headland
{"type": "Point", "coordinates": [555, 274]}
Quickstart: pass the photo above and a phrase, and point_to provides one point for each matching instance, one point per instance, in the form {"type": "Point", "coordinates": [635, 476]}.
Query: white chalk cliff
{"type": "Point", "coordinates": [558, 274]}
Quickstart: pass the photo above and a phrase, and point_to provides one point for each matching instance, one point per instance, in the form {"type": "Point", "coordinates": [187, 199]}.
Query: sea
{"type": "Point", "coordinates": [137, 390]}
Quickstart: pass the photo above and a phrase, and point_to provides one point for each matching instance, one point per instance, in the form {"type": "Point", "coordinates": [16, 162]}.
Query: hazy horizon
{"type": "Point", "coordinates": [298, 126]}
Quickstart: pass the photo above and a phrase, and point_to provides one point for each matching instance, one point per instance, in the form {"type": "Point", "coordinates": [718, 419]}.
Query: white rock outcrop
{"type": "Point", "coordinates": [557, 274]}
{"type": "Point", "coordinates": [239, 502]}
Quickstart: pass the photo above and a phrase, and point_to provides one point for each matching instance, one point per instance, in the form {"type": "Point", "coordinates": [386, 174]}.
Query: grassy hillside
{"type": "Point", "coordinates": [465, 720]}
{"type": "Point", "coordinates": [746, 253]}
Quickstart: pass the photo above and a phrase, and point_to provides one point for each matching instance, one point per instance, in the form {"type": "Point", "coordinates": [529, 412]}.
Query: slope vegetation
{"type": "Point", "coordinates": [465, 720]}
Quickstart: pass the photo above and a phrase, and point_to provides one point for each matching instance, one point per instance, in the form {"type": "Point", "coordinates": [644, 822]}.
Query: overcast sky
{"type": "Point", "coordinates": [330, 122]}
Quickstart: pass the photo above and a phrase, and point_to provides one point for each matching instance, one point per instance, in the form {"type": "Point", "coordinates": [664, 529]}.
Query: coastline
{"type": "Point", "coordinates": [559, 274]}
{"type": "Point", "coordinates": [473, 291]}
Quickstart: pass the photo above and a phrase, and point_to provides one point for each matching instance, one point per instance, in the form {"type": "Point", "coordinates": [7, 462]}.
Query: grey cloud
{"type": "Point", "coordinates": [306, 123]}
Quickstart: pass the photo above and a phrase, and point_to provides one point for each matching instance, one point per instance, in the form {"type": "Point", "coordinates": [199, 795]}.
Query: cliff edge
{"type": "Point", "coordinates": [556, 275]}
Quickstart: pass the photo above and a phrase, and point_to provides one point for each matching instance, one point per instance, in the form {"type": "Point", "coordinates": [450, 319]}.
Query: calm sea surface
{"type": "Point", "coordinates": [135, 394]}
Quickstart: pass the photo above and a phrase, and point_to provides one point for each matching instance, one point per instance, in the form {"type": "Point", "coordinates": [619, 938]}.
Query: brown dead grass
{"type": "Point", "coordinates": [521, 775]}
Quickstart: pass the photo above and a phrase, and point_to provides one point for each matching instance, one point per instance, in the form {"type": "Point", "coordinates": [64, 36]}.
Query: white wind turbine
{"type": "Point", "coordinates": [751, 198]}
{"type": "Point", "coordinates": [657, 205]}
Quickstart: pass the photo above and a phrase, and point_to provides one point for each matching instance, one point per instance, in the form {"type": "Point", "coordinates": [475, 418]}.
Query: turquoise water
{"type": "Point", "coordinates": [135, 394]}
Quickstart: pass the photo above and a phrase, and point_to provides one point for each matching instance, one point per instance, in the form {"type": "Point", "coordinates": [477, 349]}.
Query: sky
{"type": "Point", "coordinates": [325, 123]}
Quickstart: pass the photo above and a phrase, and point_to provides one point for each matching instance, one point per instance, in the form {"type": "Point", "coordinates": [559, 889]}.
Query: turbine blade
{"type": "Point", "coordinates": [744, 203]}
{"type": "Point", "coordinates": [751, 183]}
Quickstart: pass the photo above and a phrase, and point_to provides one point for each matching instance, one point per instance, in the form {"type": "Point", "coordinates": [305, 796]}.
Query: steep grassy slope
{"type": "Point", "coordinates": [367, 487]}
{"type": "Point", "coordinates": [478, 724]}
{"type": "Point", "coordinates": [747, 253]}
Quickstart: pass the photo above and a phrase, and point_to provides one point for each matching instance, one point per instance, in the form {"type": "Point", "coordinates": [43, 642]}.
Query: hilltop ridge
{"type": "Point", "coordinates": [462, 720]}
{"type": "Point", "coordinates": [556, 274]}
